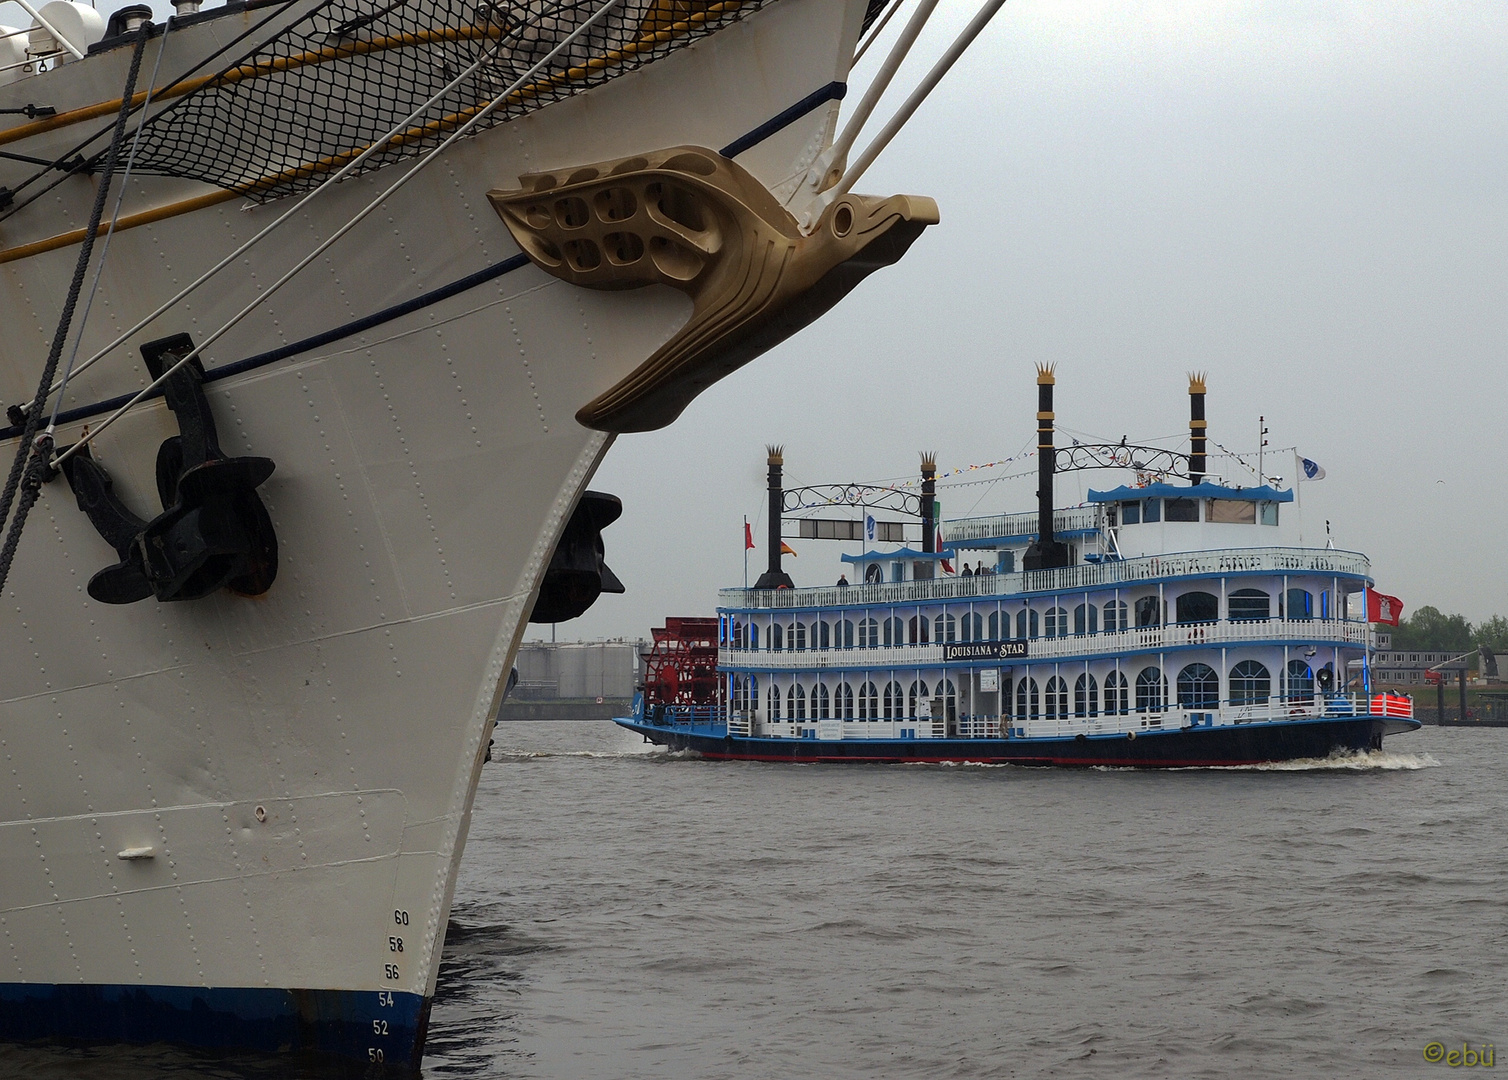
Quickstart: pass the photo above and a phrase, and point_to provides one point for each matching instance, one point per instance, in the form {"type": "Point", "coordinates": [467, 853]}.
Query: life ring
{"type": "Point", "coordinates": [1130, 734]}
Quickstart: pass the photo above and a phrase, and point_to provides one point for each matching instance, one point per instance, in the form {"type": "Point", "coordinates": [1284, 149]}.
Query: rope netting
{"type": "Point", "coordinates": [323, 90]}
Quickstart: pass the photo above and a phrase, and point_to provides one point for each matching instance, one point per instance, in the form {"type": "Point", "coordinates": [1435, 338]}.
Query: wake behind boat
{"type": "Point", "coordinates": [270, 550]}
{"type": "Point", "coordinates": [1161, 625]}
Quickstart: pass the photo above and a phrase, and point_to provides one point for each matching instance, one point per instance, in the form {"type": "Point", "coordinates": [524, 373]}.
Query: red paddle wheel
{"type": "Point", "coordinates": [681, 667]}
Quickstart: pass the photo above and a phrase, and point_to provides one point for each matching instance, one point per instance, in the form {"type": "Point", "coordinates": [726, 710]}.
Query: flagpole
{"type": "Point", "coordinates": [746, 551]}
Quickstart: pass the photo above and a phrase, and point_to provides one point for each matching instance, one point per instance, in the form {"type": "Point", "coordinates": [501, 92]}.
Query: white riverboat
{"type": "Point", "coordinates": [1162, 624]}
{"type": "Point", "coordinates": [280, 543]}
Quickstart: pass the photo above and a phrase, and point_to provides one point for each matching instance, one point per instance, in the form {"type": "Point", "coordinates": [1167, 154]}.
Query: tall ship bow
{"type": "Point", "coordinates": [320, 317]}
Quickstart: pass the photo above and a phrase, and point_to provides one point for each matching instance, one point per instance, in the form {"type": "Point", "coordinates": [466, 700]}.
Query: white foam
{"type": "Point", "coordinates": [1362, 761]}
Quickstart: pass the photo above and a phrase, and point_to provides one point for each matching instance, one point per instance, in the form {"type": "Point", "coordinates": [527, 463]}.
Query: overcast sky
{"type": "Point", "coordinates": [1307, 199]}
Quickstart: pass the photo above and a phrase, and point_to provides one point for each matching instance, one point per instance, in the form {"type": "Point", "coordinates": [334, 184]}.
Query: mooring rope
{"type": "Point", "coordinates": [38, 452]}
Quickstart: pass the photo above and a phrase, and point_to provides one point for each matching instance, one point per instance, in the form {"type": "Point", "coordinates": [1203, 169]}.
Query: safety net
{"type": "Point", "coordinates": [280, 118]}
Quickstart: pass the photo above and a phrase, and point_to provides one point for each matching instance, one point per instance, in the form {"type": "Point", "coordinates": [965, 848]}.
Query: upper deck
{"type": "Point", "coordinates": [1224, 562]}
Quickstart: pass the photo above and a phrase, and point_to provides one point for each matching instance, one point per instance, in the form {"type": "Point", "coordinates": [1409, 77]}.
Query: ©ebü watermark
{"type": "Point", "coordinates": [1436, 1054]}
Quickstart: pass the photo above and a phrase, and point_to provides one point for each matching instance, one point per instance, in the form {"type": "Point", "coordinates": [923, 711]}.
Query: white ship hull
{"type": "Point", "coordinates": [237, 821]}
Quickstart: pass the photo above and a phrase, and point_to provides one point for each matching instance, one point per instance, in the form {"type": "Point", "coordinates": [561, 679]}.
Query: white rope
{"type": "Point", "coordinates": [333, 178]}
{"type": "Point", "coordinates": [874, 34]}
{"type": "Point", "coordinates": [61, 386]}
{"type": "Point", "coordinates": [919, 95]}
{"type": "Point", "coordinates": [347, 227]}
{"type": "Point", "coordinates": [837, 153]}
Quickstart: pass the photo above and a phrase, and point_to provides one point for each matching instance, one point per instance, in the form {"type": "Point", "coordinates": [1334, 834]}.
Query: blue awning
{"type": "Point", "coordinates": [903, 553]}
{"type": "Point", "coordinates": [1196, 491]}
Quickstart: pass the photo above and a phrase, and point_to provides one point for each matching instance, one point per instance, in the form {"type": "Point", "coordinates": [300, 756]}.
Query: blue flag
{"type": "Point", "coordinates": [1309, 470]}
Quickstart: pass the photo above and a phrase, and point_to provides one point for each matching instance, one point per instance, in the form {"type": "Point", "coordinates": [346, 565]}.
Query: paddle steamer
{"type": "Point", "coordinates": [1162, 623]}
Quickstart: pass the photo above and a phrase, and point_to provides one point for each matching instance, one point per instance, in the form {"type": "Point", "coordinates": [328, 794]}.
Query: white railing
{"type": "Point", "coordinates": [1038, 650]}
{"type": "Point", "coordinates": [1273, 560]}
{"type": "Point", "coordinates": [999, 526]}
{"type": "Point", "coordinates": [1328, 706]}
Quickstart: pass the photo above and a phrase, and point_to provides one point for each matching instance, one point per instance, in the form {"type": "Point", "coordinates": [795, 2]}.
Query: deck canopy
{"type": "Point", "coordinates": [899, 553]}
{"type": "Point", "coordinates": [1195, 491]}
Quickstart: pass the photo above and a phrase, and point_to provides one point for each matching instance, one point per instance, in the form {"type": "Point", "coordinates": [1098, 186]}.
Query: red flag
{"type": "Point", "coordinates": [946, 564]}
{"type": "Point", "coordinates": [786, 549]}
{"type": "Point", "coordinates": [748, 537]}
{"type": "Point", "coordinates": [1382, 608]}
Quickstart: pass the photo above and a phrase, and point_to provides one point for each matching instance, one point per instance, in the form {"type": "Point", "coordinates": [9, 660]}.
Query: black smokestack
{"type": "Point", "coordinates": [1047, 552]}
{"type": "Point", "coordinates": [929, 500]}
{"type": "Point", "coordinates": [774, 577]}
{"type": "Point", "coordinates": [1197, 428]}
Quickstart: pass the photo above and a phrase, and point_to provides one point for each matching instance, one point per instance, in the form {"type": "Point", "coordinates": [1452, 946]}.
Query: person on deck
{"type": "Point", "coordinates": [842, 581]}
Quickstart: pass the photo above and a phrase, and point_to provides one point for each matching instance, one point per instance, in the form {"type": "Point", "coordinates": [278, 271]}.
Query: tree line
{"type": "Point", "coordinates": [1431, 630]}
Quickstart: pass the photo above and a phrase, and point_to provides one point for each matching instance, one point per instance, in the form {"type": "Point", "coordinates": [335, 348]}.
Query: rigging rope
{"type": "Point", "coordinates": [104, 254]}
{"type": "Point", "coordinates": [38, 451]}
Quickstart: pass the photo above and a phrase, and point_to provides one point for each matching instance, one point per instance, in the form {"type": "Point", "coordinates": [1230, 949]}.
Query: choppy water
{"type": "Point", "coordinates": [625, 913]}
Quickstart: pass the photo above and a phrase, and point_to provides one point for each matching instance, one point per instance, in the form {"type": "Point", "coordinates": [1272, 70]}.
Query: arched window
{"type": "Point", "coordinates": [1086, 696]}
{"type": "Point", "coordinates": [774, 702]}
{"type": "Point", "coordinates": [737, 699]}
{"type": "Point", "coordinates": [843, 634]}
{"type": "Point", "coordinates": [949, 693]}
{"type": "Point", "coordinates": [736, 640]}
{"type": "Point", "coordinates": [995, 634]}
{"type": "Point", "coordinates": [1300, 605]}
{"type": "Point", "coordinates": [1026, 623]}
{"type": "Point", "coordinates": [894, 703]}
{"type": "Point", "coordinates": [777, 637]}
{"type": "Point", "coordinates": [917, 693]}
{"type": "Point", "coordinates": [1198, 687]}
{"type": "Point", "coordinates": [1117, 700]}
{"type": "Point", "coordinates": [795, 702]}
{"type": "Point", "coordinates": [895, 632]}
{"type": "Point", "coordinates": [1250, 684]}
{"type": "Point", "coordinates": [1086, 620]}
{"type": "Point", "coordinates": [1148, 612]}
{"type": "Point", "coordinates": [918, 631]}
{"type": "Point", "coordinates": [1300, 683]}
{"type": "Point", "coordinates": [1249, 605]}
{"type": "Point", "coordinates": [798, 635]}
{"type": "Point", "coordinates": [821, 703]}
{"type": "Point", "coordinates": [1056, 705]}
{"type": "Point", "coordinates": [844, 704]}
{"type": "Point", "coordinates": [869, 634]}
{"type": "Point", "coordinates": [1057, 622]}
{"type": "Point", "coordinates": [971, 626]}
{"type": "Point", "coordinates": [753, 694]}
{"type": "Point", "coordinates": [1115, 616]}
{"type": "Point", "coordinates": [869, 702]}
{"type": "Point", "coordinates": [945, 629]}
{"type": "Point", "coordinates": [1198, 607]}
{"type": "Point", "coordinates": [822, 635]}
{"type": "Point", "coordinates": [1027, 704]}
{"type": "Point", "coordinates": [1151, 691]}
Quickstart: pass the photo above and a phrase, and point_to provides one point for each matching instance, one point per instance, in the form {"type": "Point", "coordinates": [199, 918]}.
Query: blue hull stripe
{"type": "Point", "coordinates": [833, 91]}
{"type": "Point", "coordinates": [356, 1025]}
